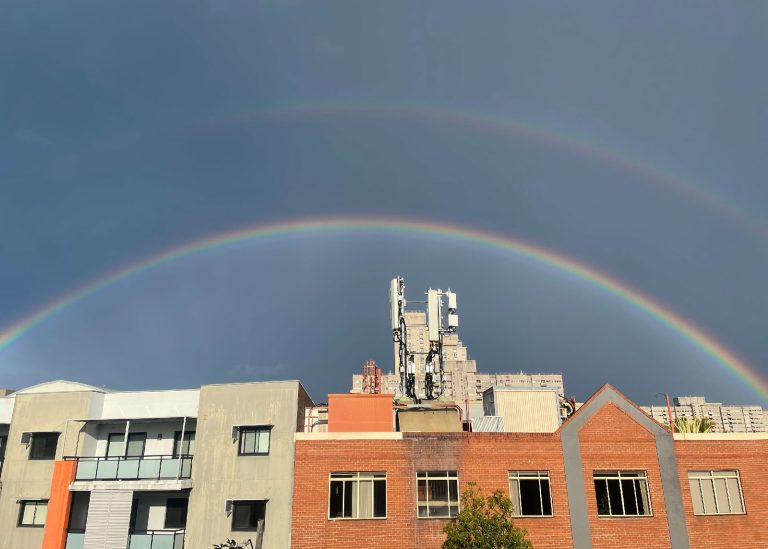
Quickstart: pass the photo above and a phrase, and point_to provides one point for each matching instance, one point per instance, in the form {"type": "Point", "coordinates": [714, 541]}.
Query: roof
{"type": "Point", "coordinates": [61, 386]}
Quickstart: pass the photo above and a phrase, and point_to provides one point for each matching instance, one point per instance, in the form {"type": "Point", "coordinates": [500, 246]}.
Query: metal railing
{"type": "Point", "coordinates": [133, 468]}
{"type": "Point", "coordinates": [156, 539]}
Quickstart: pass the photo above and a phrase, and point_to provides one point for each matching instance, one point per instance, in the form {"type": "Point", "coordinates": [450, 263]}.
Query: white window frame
{"type": "Point", "coordinates": [710, 476]}
{"type": "Point", "coordinates": [447, 476]}
{"type": "Point", "coordinates": [356, 477]}
{"type": "Point", "coordinates": [623, 475]}
{"type": "Point", "coordinates": [531, 475]}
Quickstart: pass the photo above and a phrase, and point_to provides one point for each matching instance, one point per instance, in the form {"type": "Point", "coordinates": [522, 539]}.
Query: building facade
{"type": "Point", "coordinates": [725, 419]}
{"type": "Point", "coordinates": [609, 477]}
{"type": "Point", "coordinates": [88, 468]}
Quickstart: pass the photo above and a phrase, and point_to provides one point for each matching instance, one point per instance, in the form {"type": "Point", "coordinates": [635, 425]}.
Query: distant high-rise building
{"type": "Point", "coordinates": [461, 379]}
{"type": "Point", "coordinates": [725, 419]}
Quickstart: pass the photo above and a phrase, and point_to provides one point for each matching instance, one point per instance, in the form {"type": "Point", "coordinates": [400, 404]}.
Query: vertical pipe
{"type": "Point", "coordinates": [181, 445]}
{"type": "Point", "coordinates": [125, 437]}
{"type": "Point", "coordinates": [669, 414]}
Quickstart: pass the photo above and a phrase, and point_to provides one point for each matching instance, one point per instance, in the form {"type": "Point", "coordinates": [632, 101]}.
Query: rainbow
{"type": "Point", "coordinates": [672, 321]}
{"type": "Point", "coordinates": [488, 123]}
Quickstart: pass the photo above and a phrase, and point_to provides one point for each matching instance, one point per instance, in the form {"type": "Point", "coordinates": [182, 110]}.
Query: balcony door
{"type": "Point", "coordinates": [136, 444]}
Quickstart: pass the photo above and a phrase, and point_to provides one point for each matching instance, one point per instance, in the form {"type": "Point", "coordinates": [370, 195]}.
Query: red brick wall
{"type": "Point", "coordinates": [483, 458]}
{"type": "Point", "coordinates": [613, 440]}
{"type": "Point", "coordinates": [728, 531]}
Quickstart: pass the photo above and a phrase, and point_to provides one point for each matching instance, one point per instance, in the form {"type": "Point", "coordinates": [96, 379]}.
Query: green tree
{"type": "Point", "coordinates": [485, 522]}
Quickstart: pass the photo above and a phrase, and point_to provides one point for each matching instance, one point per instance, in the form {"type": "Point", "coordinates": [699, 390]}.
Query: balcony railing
{"type": "Point", "coordinates": [75, 539]}
{"type": "Point", "coordinates": [156, 539]}
{"type": "Point", "coordinates": [133, 468]}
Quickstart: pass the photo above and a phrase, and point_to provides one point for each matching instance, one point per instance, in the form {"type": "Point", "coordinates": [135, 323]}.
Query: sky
{"type": "Point", "coordinates": [630, 139]}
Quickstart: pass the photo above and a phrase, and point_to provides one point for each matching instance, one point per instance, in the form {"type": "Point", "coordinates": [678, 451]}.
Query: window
{"type": "Point", "coordinates": [248, 515]}
{"type": "Point", "coordinates": [184, 447]}
{"type": "Point", "coordinates": [136, 444]}
{"type": "Point", "coordinates": [358, 496]}
{"type": "Point", "coordinates": [622, 493]}
{"type": "Point", "coordinates": [254, 441]}
{"type": "Point", "coordinates": [33, 513]}
{"type": "Point", "coordinates": [716, 492]}
{"type": "Point", "coordinates": [43, 446]}
{"type": "Point", "coordinates": [530, 493]}
{"type": "Point", "coordinates": [437, 494]}
{"type": "Point", "coordinates": [176, 513]}
{"type": "Point", "coordinates": [3, 444]}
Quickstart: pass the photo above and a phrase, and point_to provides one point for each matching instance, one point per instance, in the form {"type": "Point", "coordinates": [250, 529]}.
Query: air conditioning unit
{"type": "Point", "coordinates": [26, 438]}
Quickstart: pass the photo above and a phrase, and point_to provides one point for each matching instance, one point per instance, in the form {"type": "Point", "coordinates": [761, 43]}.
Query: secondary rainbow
{"type": "Point", "coordinates": [489, 123]}
{"type": "Point", "coordinates": [707, 344]}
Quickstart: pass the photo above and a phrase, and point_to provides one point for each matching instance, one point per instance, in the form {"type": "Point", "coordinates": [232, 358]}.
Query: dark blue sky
{"type": "Point", "coordinates": [129, 128]}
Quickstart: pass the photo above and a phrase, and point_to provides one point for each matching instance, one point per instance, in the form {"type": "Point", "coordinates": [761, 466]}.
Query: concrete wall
{"type": "Point", "coordinates": [219, 474]}
{"type": "Point", "coordinates": [25, 479]}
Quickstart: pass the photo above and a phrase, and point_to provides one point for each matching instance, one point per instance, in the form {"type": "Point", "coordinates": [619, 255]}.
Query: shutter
{"type": "Point", "coordinates": [109, 516]}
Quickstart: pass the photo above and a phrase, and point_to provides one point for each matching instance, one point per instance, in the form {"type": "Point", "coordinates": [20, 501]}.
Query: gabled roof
{"type": "Point", "coordinates": [61, 386]}
{"type": "Point", "coordinates": [609, 393]}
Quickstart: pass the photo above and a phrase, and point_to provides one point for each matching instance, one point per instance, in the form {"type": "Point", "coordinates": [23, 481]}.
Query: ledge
{"type": "Point", "coordinates": [348, 436]}
{"type": "Point", "coordinates": [721, 436]}
{"type": "Point", "coordinates": [171, 485]}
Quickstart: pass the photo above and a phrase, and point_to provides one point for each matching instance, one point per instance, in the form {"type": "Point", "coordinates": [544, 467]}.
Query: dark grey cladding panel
{"type": "Point", "coordinates": [665, 450]}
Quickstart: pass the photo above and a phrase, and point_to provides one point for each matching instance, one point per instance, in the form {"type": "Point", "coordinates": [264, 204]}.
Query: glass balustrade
{"type": "Point", "coordinates": [156, 539]}
{"type": "Point", "coordinates": [133, 468]}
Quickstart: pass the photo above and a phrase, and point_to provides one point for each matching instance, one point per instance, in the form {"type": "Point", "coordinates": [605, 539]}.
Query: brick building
{"type": "Point", "coordinates": [610, 477]}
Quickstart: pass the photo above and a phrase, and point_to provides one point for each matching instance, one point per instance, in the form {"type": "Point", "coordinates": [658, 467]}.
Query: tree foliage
{"type": "Point", "coordinates": [693, 425]}
{"type": "Point", "coordinates": [485, 522]}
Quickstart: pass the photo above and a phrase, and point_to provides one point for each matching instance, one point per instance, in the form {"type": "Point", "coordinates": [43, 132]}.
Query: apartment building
{"type": "Point", "coordinates": [609, 477]}
{"type": "Point", "coordinates": [724, 418]}
{"type": "Point", "coordinates": [88, 468]}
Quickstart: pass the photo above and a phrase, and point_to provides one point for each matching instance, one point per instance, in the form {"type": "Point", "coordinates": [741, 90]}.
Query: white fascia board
{"type": "Point", "coordinates": [148, 405]}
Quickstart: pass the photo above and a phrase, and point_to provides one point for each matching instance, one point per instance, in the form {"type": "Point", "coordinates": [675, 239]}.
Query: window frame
{"type": "Point", "coordinates": [119, 438]}
{"type": "Point", "coordinates": [373, 476]}
{"type": "Point", "coordinates": [243, 429]}
{"type": "Point", "coordinates": [622, 474]}
{"type": "Point", "coordinates": [713, 474]}
{"type": "Point", "coordinates": [37, 503]}
{"type": "Point", "coordinates": [184, 514]}
{"type": "Point", "coordinates": [539, 475]}
{"type": "Point", "coordinates": [37, 435]}
{"type": "Point", "coordinates": [448, 476]}
{"type": "Point", "coordinates": [237, 502]}
{"type": "Point", "coordinates": [178, 443]}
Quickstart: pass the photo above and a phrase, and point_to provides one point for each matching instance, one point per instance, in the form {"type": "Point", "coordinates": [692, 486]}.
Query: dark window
{"type": "Point", "coordinates": [33, 513]}
{"type": "Point", "coordinates": [176, 513]}
{"type": "Point", "coordinates": [43, 446]}
{"type": "Point", "coordinates": [248, 515]}
{"type": "Point", "coordinates": [358, 495]}
{"type": "Point", "coordinates": [136, 444]}
{"type": "Point", "coordinates": [529, 492]}
{"type": "Point", "coordinates": [185, 447]}
{"type": "Point", "coordinates": [78, 513]}
{"type": "Point", "coordinates": [3, 444]}
{"type": "Point", "coordinates": [254, 441]}
{"type": "Point", "coordinates": [437, 494]}
{"type": "Point", "coordinates": [622, 493]}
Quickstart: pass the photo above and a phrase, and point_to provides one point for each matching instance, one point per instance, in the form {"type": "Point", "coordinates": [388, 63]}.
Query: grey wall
{"type": "Point", "coordinates": [219, 474]}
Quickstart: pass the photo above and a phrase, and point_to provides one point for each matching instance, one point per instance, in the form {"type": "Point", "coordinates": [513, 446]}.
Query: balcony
{"type": "Point", "coordinates": [156, 539]}
{"type": "Point", "coordinates": [127, 468]}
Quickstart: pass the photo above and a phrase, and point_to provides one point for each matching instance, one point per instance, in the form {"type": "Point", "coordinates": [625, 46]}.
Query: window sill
{"type": "Point", "coordinates": [532, 516]}
{"type": "Point", "coordinates": [342, 519]}
{"type": "Point", "coordinates": [30, 525]}
{"type": "Point", "coordinates": [253, 455]}
{"type": "Point", "coordinates": [611, 517]}
{"type": "Point", "coordinates": [719, 514]}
